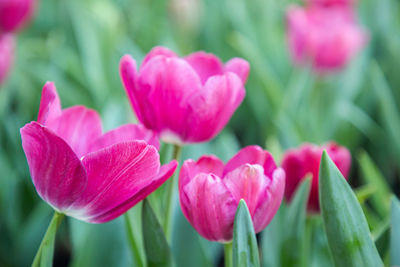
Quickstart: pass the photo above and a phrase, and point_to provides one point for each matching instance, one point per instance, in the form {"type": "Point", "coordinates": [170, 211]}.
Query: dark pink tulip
{"type": "Point", "coordinates": [14, 14]}
{"type": "Point", "coordinates": [6, 55]}
{"type": "Point", "coordinates": [185, 100]}
{"type": "Point", "coordinates": [297, 163]}
{"type": "Point", "coordinates": [210, 191]}
{"type": "Point", "coordinates": [327, 36]}
{"type": "Point", "coordinates": [84, 173]}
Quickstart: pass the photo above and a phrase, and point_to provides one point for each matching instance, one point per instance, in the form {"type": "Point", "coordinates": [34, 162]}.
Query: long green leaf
{"type": "Point", "coordinates": [245, 250]}
{"type": "Point", "coordinates": [395, 233]}
{"type": "Point", "coordinates": [293, 245]}
{"type": "Point", "coordinates": [156, 247]}
{"type": "Point", "coordinates": [345, 225]}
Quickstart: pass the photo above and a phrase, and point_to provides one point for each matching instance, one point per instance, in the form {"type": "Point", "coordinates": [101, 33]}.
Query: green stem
{"type": "Point", "coordinates": [137, 258]}
{"type": "Point", "coordinates": [228, 254]}
{"type": "Point", "coordinates": [44, 255]}
{"type": "Point", "coordinates": [171, 191]}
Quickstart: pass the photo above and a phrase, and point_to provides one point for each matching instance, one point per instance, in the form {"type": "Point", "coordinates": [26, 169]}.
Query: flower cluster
{"type": "Point", "coordinates": [325, 33]}
{"type": "Point", "coordinates": [14, 15]}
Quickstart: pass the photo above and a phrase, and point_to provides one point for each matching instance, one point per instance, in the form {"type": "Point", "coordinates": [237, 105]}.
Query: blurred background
{"type": "Point", "coordinates": [78, 45]}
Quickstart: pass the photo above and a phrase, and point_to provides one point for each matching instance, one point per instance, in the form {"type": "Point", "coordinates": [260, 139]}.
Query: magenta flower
{"type": "Point", "coordinates": [210, 191]}
{"type": "Point", "coordinates": [327, 36]}
{"type": "Point", "coordinates": [330, 3]}
{"type": "Point", "coordinates": [6, 55]}
{"type": "Point", "coordinates": [14, 14]}
{"type": "Point", "coordinates": [185, 100]}
{"type": "Point", "coordinates": [83, 173]}
{"type": "Point", "coordinates": [297, 163]}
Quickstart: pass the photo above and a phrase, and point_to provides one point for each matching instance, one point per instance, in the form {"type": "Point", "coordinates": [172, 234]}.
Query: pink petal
{"type": "Point", "coordinates": [247, 182]}
{"type": "Point", "coordinates": [115, 174]}
{"type": "Point", "coordinates": [213, 106]}
{"type": "Point", "coordinates": [165, 86]}
{"type": "Point", "coordinates": [158, 51]}
{"type": "Point", "coordinates": [209, 207]}
{"type": "Point", "coordinates": [78, 126]}
{"type": "Point", "coordinates": [205, 64]}
{"type": "Point", "coordinates": [7, 47]}
{"type": "Point", "coordinates": [50, 105]}
{"type": "Point", "coordinates": [128, 73]}
{"type": "Point", "coordinates": [166, 171]}
{"type": "Point", "coordinates": [269, 201]}
{"type": "Point", "coordinates": [57, 173]}
{"type": "Point", "coordinates": [206, 164]}
{"type": "Point", "coordinates": [252, 155]}
{"type": "Point", "coordinates": [15, 14]}
{"type": "Point", "coordinates": [125, 133]}
{"type": "Point", "coordinates": [240, 67]}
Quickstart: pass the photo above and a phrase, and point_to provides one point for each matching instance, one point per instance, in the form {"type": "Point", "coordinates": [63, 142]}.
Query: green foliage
{"type": "Point", "coordinates": [345, 224]}
{"type": "Point", "coordinates": [395, 230]}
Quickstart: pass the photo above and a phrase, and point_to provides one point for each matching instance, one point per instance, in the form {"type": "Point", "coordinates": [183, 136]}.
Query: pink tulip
{"type": "Point", "coordinates": [210, 191]}
{"type": "Point", "coordinates": [327, 36]}
{"type": "Point", "coordinates": [6, 55]}
{"type": "Point", "coordinates": [185, 100]}
{"type": "Point", "coordinates": [14, 14]}
{"type": "Point", "coordinates": [297, 163]}
{"type": "Point", "coordinates": [332, 2]}
{"type": "Point", "coordinates": [83, 173]}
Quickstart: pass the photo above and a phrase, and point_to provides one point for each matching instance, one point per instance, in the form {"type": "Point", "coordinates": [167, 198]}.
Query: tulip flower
{"type": "Point", "coordinates": [331, 3]}
{"type": "Point", "coordinates": [327, 36]}
{"type": "Point", "coordinates": [83, 173]}
{"type": "Point", "coordinates": [14, 14]}
{"type": "Point", "coordinates": [184, 100]}
{"type": "Point", "coordinates": [6, 55]}
{"type": "Point", "coordinates": [298, 163]}
{"type": "Point", "coordinates": [210, 191]}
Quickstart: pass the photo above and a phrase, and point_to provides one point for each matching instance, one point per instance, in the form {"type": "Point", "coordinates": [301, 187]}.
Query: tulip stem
{"type": "Point", "coordinates": [171, 191]}
{"type": "Point", "coordinates": [228, 254]}
{"type": "Point", "coordinates": [44, 255]}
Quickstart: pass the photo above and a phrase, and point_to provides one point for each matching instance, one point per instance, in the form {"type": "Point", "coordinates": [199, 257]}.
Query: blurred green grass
{"type": "Point", "coordinates": [78, 44]}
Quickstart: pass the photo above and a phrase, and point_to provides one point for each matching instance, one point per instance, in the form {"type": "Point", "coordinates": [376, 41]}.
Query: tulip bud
{"type": "Point", "coordinates": [298, 163]}
{"type": "Point", "coordinates": [14, 14]}
{"type": "Point", "coordinates": [210, 191]}
{"type": "Point", "coordinates": [6, 55]}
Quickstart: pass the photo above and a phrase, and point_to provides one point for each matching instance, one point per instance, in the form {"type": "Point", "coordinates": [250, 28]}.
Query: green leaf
{"type": "Point", "coordinates": [44, 256]}
{"type": "Point", "coordinates": [133, 231]}
{"type": "Point", "coordinates": [245, 250]}
{"type": "Point", "coordinates": [345, 225]}
{"type": "Point", "coordinates": [293, 250]}
{"type": "Point", "coordinates": [395, 233]}
{"type": "Point", "coordinates": [156, 247]}
{"type": "Point", "coordinates": [371, 175]}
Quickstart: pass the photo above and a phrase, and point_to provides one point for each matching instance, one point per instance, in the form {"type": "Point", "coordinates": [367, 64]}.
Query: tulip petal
{"type": "Point", "coordinates": [57, 173]}
{"type": "Point", "coordinates": [50, 105]}
{"type": "Point", "coordinates": [247, 182]}
{"type": "Point", "coordinates": [209, 207]}
{"type": "Point", "coordinates": [213, 106]}
{"type": "Point", "coordinates": [205, 64]}
{"type": "Point", "coordinates": [125, 133]}
{"type": "Point", "coordinates": [166, 171]}
{"type": "Point", "coordinates": [115, 174]}
{"type": "Point", "coordinates": [78, 126]}
{"type": "Point", "coordinates": [252, 155]}
{"type": "Point", "coordinates": [158, 51]}
{"type": "Point", "coordinates": [269, 201]}
{"type": "Point", "coordinates": [206, 164]}
{"type": "Point", "coordinates": [240, 67]}
{"type": "Point", "coordinates": [166, 85]}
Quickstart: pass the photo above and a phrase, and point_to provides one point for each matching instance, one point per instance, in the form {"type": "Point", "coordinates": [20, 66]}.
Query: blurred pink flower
{"type": "Point", "coordinates": [210, 191]}
{"type": "Point", "coordinates": [83, 173]}
{"type": "Point", "coordinates": [327, 36]}
{"type": "Point", "coordinates": [6, 55]}
{"type": "Point", "coordinates": [14, 14]}
{"type": "Point", "coordinates": [332, 2]}
{"type": "Point", "coordinates": [304, 160]}
{"type": "Point", "coordinates": [185, 100]}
